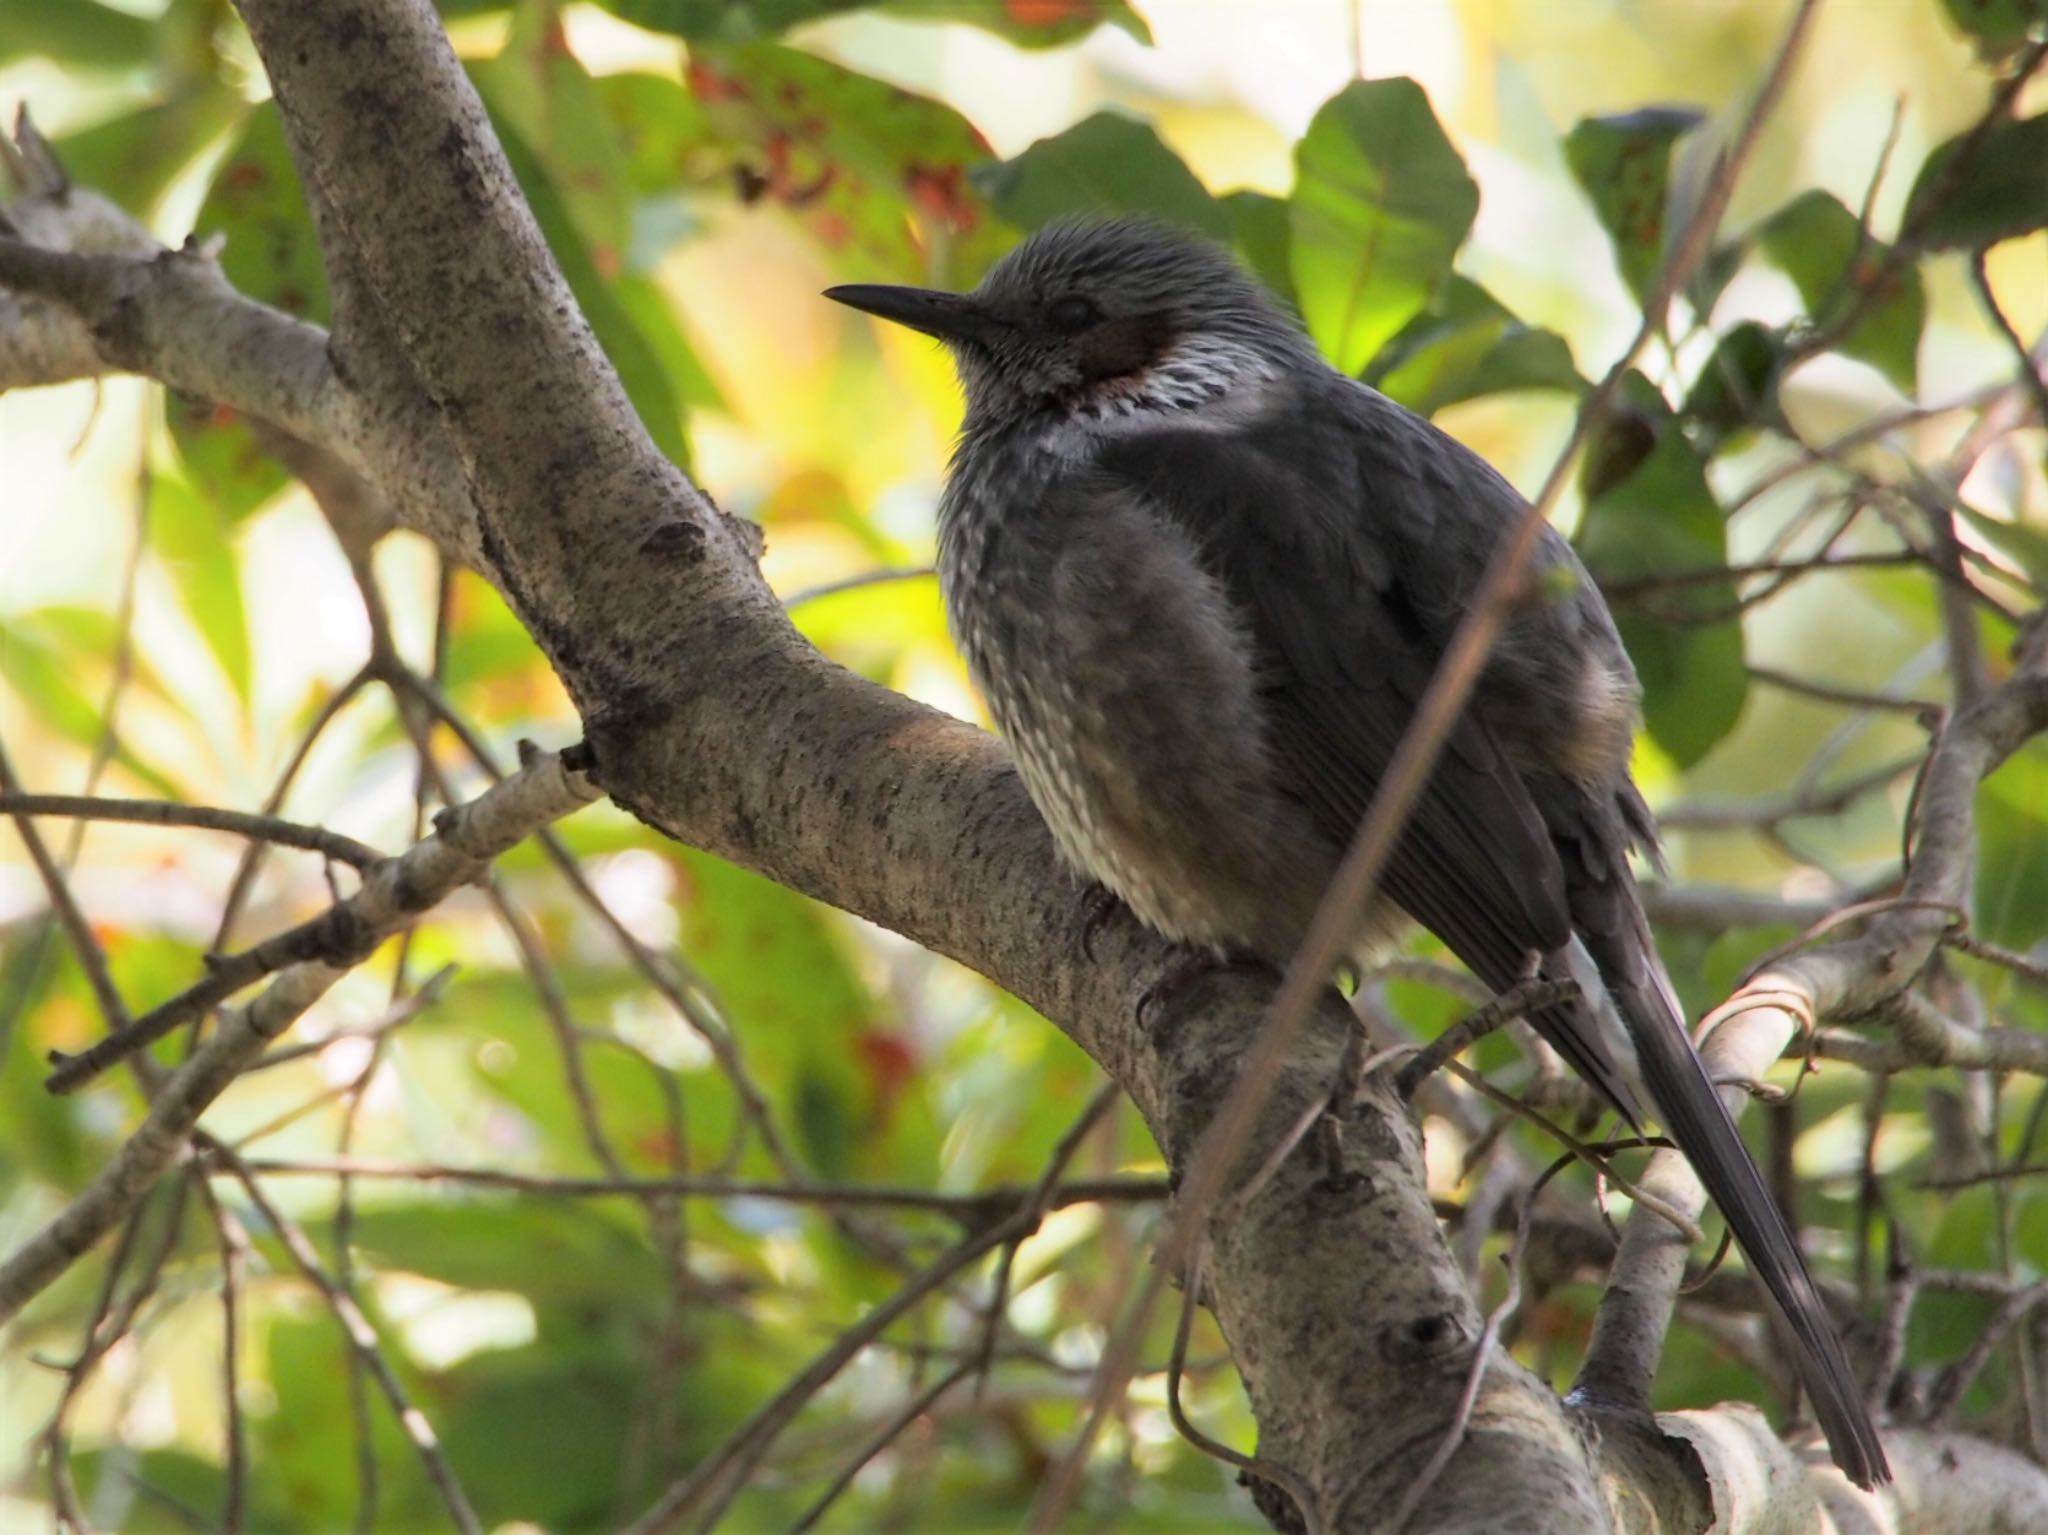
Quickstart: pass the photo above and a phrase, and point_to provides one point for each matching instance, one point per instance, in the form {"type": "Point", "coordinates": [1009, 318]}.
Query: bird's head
{"type": "Point", "coordinates": [1102, 318]}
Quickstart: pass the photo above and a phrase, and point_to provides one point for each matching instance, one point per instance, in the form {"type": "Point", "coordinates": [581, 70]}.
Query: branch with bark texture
{"type": "Point", "coordinates": [473, 401]}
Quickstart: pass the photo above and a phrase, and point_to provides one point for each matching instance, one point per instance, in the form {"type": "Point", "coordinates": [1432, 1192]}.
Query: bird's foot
{"type": "Point", "coordinates": [1099, 903]}
{"type": "Point", "coordinates": [1190, 963]}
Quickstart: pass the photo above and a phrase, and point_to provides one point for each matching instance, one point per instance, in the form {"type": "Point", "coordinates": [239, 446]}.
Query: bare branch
{"type": "Point", "coordinates": [141, 812]}
{"type": "Point", "coordinates": [459, 853]}
{"type": "Point", "coordinates": [395, 892]}
{"type": "Point", "coordinates": [1847, 979]}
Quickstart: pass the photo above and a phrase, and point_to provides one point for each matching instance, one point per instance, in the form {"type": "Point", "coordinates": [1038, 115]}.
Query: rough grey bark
{"type": "Point", "coordinates": [463, 384]}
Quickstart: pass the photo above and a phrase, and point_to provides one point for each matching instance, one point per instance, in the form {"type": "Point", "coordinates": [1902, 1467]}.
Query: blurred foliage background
{"type": "Point", "coordinates": [1466, 200]}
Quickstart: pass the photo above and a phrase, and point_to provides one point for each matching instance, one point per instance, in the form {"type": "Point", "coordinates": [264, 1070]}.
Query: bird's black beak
{"type": "Point", "coordinates": [949, 316]}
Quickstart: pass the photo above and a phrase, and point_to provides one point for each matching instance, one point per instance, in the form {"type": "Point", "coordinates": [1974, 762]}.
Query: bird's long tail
{"type": "Point", "coordinates": [1694, 1116]}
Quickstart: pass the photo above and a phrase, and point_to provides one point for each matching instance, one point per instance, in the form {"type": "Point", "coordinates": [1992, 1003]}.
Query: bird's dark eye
{"type": "Point", "coordinates": [1071, 313]}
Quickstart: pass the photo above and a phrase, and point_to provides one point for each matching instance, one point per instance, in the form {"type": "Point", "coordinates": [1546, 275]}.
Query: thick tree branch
{"type": "Point", "coordinates": [491, 422]}
{"type": "Point", "coordinates": [85, 291]}
{"type": "Point", "coordinates": [711, 718]}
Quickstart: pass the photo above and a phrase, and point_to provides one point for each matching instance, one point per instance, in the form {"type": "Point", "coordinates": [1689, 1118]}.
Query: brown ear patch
{"type": "Point", "coordinates": [1119, 347]}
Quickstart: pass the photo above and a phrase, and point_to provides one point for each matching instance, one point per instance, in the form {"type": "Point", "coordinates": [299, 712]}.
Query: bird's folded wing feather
{"type": "Point", "coordinates": [1290, 530]}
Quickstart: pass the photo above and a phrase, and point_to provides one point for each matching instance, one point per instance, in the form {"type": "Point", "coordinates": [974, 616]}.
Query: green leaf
{"type": "Point", "coordinates": [557, 1252]}
{"type": "Point", "coordinates": [2000, 190]}
{"type": "Point", "coordinates": [41, 1136]}
{"type": "Point", "coordinates": [1028, 23]}
{"type": "Point", "coordinates": [662, 134]}
{"type": "Point", "coordinates": [1381, 203]}
{"type": "Point", "coordinates": [255, 202]}
{"type": "Point", "coordinates": [39, 658]}
{"type": "Point", "coordinates": [542, 1436]}
{"type": "Point", "coordinates": [2012, 851]}
{"type": "Point", "coordinates": [2025, 546]}
{"type": "Point", "coordinates": [1259, 230]}
{"type": "Point", "coordinates": [537, 84]}
{"type": "Point", "coordinates": [1737, 387]}
{"type": "Point", "coordinates": [1817, 242]}
{"type": "Point", "coordinates": [639, 367]}
{"type": "Point", "coordinates": [647, 304]}
{"type": "Point", "coordinates": [1624, 163]}
{"type": "Point", "coordinates": [1997, 27]}
{"type": "Point", "coordinates": [271, 254]}
{"type": "Point", "coordinates": [877, 175]}
{"type": "Point", "coordinates": [196, 545]}
{"type": "Point", "coordinates": [79, 33]}
{"type": "Point", "coordinates": [1469, 344]}
{"type": "Point", "coordinates": [1650, 512]}
{"type": "Point", "coordinates": [134, 158]}
{"type": "Point", "coordinates": [1104, 164]}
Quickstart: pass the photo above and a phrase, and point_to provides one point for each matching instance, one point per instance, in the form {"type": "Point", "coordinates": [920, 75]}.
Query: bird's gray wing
{"type": "Point", "coordinates": [1347, 643]}
{"type": "Point", "coordinates": [1350, 536]}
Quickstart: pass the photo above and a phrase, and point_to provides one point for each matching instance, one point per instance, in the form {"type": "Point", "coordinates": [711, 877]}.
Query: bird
{"type": "Point", "coordinates": [1202, 579]}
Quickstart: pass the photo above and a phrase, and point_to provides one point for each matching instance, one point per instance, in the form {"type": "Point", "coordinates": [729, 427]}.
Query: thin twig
{"type": "Point", "coordinates": [711, 1485]}
{"type": "Point", "coordinates": [1854, 698]}
{"type": "Point", "coordinates": [1525, 997]}
{"type": "Point", "coordinates": [394, 1017]}
{"type": "Point", "coordinates": [880, 1440]}
{"type": "Point", "coordinates": [994, 1206]}
{"type": "Point", "coordinates": [1063, 1152]}
{"type": "Point", "coordinates": [1295, 1486]}
{"type": "Point", "coordinates": [395, 892]}
{"type": "Point", "coordinates": [361, 1337]}
{"type": "Point", "coordinates": [143, 812]}
{"type": "Point", "coordinates": [882, 577]}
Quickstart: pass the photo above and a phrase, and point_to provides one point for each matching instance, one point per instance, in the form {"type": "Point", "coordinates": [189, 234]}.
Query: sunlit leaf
{"type": "Point", "coordinates": [1817, 242]}
{"type": "Point", "coordinates": [1997, 27]}
{"type": "Point", "coordinates": [1999, 190]}
{"type": "Point", "coordinates": [878, 175]}
{"type": "Point", "coordinates": [40, 1136]}
{"type": "Point", "coordinates": [302, 1357]}
{"type": "Point", "coordinates": [554, 1251]}
{"type": "Point", "coordinates": [1652, 514]}
{"type": "Point", "coordinates": [1469, 344]}
{"type": "Point", "coordinates": [1105, 164]}
{"type": "Point", "coordinates": [1259, 230]}
{"type": "Point", "coordinates": [660, 131]}
{"type": "Point", "coordinates": [647, 383]}
{"type": "Point", "coordinates": [2025, 546]}
{"type": "Point", "coordinates": [2012, 851]}
{"type": "Point", "coordinates": [43, 672]}
{"type": "Point", "coordinates": [82, 33]}
{"type": "Point", "coordinates": [255, 204]}
{"type": "Point", "coordinates": [133, 158]}
{"type": "Point", "coordinates": [1030, 23]}
{"type": "Point", "coordinates": [1624, 163]}
{"type": "Point", "coordinates": [196, 545]}
{"type": "Point", "coordinates": [1737, 387]}
{"type": "Point", "coordinates": [1381, 202]}
{"type": "Point", "coordinates": [541, 88]}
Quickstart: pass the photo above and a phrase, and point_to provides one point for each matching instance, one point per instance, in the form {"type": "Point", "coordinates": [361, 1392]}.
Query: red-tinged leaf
{"type": "Point", "coordinates": [850, 157]}
{"type": "Point", "coordinates": [1027, 23]}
